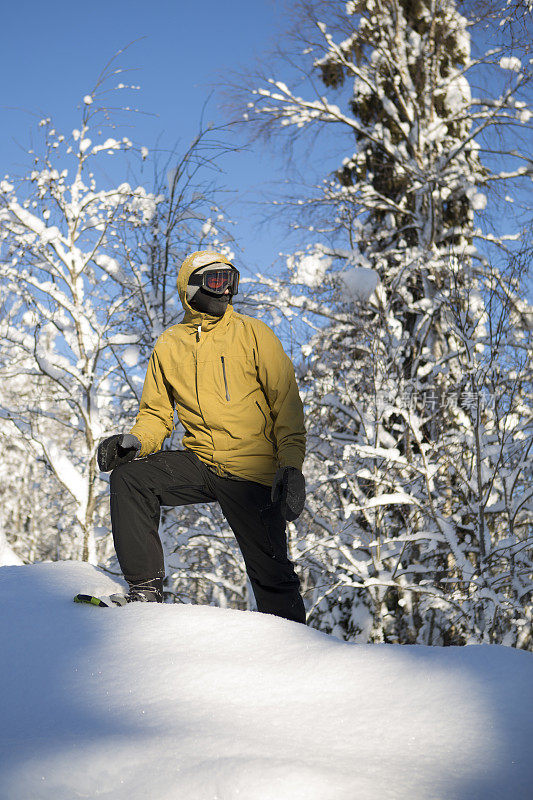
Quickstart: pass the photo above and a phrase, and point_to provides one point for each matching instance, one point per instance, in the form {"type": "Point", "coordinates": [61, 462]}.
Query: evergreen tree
{"type": "Point", "coordinates": [418, 443]}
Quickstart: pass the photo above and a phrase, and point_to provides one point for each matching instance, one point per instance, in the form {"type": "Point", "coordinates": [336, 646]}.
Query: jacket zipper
{"type": "Point", "coordinates": [265, 428]}
{"type": "Point", "coordinates": [225, 379]}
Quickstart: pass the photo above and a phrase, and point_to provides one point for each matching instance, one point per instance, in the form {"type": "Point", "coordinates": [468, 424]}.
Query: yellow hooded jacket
{"type": "Point", "coordinates": [232, 385]}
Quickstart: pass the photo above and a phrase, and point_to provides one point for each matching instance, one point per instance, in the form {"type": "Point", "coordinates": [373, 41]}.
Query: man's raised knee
{"type": "Point", "coordinates": [121, 474]}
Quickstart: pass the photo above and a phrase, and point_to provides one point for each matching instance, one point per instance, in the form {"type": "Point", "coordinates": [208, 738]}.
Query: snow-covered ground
{"type": "Point", "coordinates": [180, 702]}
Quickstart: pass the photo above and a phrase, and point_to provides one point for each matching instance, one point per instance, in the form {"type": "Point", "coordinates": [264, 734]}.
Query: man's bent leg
{"type": "Point", "coordinates": [138, 489]}
{"type": "Point", "coordinates": [259, 528]}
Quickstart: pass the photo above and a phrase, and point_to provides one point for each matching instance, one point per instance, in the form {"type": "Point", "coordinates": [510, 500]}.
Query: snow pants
{"type": "Point", "coordinates": [178, 477]}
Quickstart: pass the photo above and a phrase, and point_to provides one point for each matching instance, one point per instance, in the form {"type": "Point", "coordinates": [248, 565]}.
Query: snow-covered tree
{"type": "Point", "coordinates": [204, 564]}
{"type": "Point", "coordinates": [419, 499]}
{"type": "Point", "coordinates": [64, 309]}
{"type": "Point", "coordinates": [35, 514]}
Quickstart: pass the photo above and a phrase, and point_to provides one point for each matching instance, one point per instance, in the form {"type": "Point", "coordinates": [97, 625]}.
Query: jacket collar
{"type": "Point", "coordinates": [193, 319]}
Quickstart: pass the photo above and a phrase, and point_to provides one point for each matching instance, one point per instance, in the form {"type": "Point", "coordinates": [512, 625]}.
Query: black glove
{"type": "Point", "coordinates": [289, 488]}
{"type": "Point", "coordinates": [118, 449]}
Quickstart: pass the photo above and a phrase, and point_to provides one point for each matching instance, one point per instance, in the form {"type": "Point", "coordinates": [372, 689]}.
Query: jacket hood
{"type": "Point", "coordinates": [200, 258]}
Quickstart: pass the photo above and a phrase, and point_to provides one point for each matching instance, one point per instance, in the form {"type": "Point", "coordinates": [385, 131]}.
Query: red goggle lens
{"type": "Point", "coordinates": [219, 280]}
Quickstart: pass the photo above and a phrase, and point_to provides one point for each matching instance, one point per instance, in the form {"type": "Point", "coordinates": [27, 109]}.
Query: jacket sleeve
{"type": "Point", "coordinates": [276, 375]}
{"type": "Point", "coordinates": [156, 411]}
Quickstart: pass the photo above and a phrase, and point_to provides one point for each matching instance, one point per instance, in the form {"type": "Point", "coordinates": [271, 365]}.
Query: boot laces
{"type": "Point", "coordinates": [139, 591]}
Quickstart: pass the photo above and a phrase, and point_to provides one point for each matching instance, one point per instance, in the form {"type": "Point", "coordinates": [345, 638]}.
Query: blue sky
{"type": "Point", "coordinates": [53, 52]}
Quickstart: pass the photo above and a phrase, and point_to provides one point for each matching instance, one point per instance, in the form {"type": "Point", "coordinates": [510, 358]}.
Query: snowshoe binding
{"type": "Point", "coordinates": [150, 591]}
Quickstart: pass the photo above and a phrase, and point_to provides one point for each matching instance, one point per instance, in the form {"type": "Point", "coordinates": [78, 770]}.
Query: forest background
{"type": "Point", "coordinates": [392, 256]}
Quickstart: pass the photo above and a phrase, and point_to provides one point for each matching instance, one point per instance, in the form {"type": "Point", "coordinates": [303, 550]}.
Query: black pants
{"type": "Point", "coordinates": [178, 477]}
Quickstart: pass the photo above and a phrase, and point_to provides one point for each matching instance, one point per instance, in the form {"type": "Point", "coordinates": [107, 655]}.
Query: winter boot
{"type": "Point", "coordinates": [149, 591]}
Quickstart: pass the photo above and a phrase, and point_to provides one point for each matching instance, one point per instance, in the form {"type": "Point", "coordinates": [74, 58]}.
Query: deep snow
{"type": "Point", "coordinates": [181, 702]}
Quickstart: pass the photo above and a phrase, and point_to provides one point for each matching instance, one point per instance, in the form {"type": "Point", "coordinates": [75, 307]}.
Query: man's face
{"type": "Point", "coordinates": [205, 302]}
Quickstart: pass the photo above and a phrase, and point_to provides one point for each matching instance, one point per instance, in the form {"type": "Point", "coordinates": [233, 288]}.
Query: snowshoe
{"type": "Point", "coordinates": [150, 591]}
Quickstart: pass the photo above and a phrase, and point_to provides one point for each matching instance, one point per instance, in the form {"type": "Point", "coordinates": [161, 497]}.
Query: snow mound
{"type": "Point", "coordinates": [181, 702]}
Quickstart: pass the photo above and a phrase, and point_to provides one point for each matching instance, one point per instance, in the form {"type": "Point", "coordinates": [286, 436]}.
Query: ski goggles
{"type": "Point", "coordinates": [217, 280]}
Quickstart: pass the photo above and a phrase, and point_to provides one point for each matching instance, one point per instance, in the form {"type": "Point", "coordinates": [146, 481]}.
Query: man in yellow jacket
{"type": "Point", "coordinates": [234, 391]}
